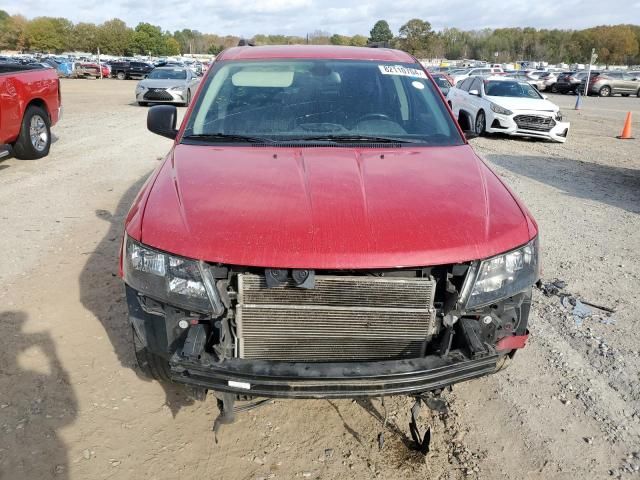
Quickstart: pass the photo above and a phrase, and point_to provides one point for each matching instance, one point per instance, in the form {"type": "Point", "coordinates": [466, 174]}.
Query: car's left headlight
{"type": "Point", "coordinates": [175, 280]}
{"type": "Point", "coordinates": [502, 276]}
{"type": "Point", "coordinates": [140, 88]}
{"type": "Point", "coordinates": [559, 116]}
{"type": "Point", "coordinates": [502, 111]}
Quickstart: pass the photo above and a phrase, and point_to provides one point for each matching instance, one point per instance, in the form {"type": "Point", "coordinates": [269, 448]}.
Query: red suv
{"type": "Point", "coordinates": [321, 228]}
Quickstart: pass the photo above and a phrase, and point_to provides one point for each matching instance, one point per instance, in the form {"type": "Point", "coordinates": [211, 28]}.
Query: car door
{"type": "Point", "coordinates": [630, 85]}
{"type": "Point", "coordinates": [459, 95]}
{"type": "Point", "coordinates": [475, 100]}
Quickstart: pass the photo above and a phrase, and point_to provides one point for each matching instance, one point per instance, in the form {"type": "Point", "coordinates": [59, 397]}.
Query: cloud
{"type": "Point", "coordinates": [298, 17]}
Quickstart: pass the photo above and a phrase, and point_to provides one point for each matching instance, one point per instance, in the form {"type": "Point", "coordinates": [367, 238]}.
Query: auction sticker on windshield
{"type": "Point", "coordinates": [402, 71]}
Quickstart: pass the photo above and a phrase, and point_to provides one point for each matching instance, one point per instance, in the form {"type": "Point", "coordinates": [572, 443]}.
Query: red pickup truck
{"type": "Point", "coordinates": [30, 104]}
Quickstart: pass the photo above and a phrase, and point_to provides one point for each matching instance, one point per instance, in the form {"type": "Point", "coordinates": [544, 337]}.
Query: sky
{"type": "Point", "coordinates": [298, 17]}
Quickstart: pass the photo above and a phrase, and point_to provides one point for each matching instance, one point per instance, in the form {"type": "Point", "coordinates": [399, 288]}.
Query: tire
{"type": "Point", "coordinates": [481, 123]}
{"type": "Point", "coordinates": [554, 88]}
{"type": "Point", "coordinates": [121, 76]}
{"type": "Point", "coordinates": [143, 104]}
{"type": "Point", "coordinates": [34, 140]}
{"type": "Point", "coordinates": [152, 365]}
{"type": "Point", "coordinates": [605, 91]}
{"type": "Point", "coordinates": [638, 93]}
{"type": "Point", "coordinates": [624, 94]}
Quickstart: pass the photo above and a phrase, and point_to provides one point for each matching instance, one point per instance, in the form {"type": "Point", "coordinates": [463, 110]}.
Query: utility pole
{"type": "Point", "coordinates": [99, 65]}
{"type": "Point", "coordinates": [592, 59]}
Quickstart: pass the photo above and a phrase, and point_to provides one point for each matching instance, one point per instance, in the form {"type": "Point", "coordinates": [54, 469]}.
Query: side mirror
{"type": "Point", "coordinates": [474, 92]}
{"type": "Point", "coordinates": [5, 151]}
{"type": "Point", "coordinates": [162, 119]}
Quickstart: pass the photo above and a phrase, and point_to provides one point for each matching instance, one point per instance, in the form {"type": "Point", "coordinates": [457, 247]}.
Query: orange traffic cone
{"type": "Point", "coordinates": [626, 131]}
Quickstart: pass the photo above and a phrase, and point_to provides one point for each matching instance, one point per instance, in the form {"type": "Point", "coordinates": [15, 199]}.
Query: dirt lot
{"type": "Point", "coordinates": [72, 405]}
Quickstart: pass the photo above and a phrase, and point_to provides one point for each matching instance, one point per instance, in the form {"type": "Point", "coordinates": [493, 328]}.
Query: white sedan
{"type": "Point", "coordinates": [503, 105]}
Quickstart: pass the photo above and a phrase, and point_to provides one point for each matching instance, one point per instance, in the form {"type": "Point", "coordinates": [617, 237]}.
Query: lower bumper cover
{"type": "Point", "coordinates": [330, 380]}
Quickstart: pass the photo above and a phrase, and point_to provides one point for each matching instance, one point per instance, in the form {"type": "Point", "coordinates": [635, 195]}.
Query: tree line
{"type": "Point", "coordinates": [616, 44]}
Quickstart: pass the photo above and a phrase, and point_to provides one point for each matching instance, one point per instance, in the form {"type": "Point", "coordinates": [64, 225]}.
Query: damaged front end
{"type": "Point", "coordinates": [297, 333]}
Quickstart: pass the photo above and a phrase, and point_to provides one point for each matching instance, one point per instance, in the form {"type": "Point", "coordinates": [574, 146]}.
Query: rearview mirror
{"type": "Point", "coordinates": [162, 119]}
{"type": "Point", "coordinates": [474, 92]}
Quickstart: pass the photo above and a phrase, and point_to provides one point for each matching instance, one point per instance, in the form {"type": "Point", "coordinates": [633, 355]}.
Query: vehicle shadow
{"type": "Point", "coordinates": [102, 293]}
{"type": "Point", "coordinates": [615, 186]}
{"type": "Point", "coordinates": [36, 402]}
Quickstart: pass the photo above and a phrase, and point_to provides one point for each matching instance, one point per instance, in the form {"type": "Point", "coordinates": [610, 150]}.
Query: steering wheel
{"type": "Point", "coordinates": [374, 116]}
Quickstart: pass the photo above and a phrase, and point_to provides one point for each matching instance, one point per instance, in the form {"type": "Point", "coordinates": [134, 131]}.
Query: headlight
{"type": "Point", "coordinates": [559, 116]}
{"type": "Point", "coordinates": [140, 88]}
{"type": "Point", "coordinates": [502, 276]}
{"type": "Point", "coordinates": [500, 110]}
{"type": "Point", "coordinates": [170, 279]}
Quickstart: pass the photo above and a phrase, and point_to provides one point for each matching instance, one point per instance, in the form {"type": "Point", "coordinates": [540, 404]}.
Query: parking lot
{"type": "Point", "coordinates": [74, 405]}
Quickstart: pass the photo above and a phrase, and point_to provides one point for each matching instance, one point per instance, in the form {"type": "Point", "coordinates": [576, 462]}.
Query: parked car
{"type": "Point", "coordinates": [484, 71]}
{"type": "Point", "coordinates": [167, 85]}
{"type": "Point", "coordinates": [548, 80]}
{"type": "Point", "coordinates": [569, 82]}
{"type": "Point", "coordinates": [509, 106]}
{"type": "Point", "coordinates": [525, 76]}
{"type": "Point", "coordinates": [29, 112]}
{"type": "Point", "coordinates": [363, 249]}
{"type": "Point", "coordinates": [86, 70]}
{"type": "Point", "coordinates": [443, 81]}
{"type": "Point", "coordinates": [127, 70]}
{"type": "Point", "coordinates": [606, 84]}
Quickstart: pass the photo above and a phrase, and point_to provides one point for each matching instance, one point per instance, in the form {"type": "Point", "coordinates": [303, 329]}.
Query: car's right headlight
{"type": "Point", "coordinates": [175, 280]}
{"type": "Point", "coordinates": [501, 276]}
{"type": "Point", "coordinates": [498, 109]}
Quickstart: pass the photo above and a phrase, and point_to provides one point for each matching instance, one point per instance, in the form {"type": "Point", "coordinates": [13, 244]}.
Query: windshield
{"type": "Point", "coordinates": [305, 100]}
{"type": "Point", "coordinates": [442, 82]}
{"type": "Point", "coordinates": [501, 88]}
{"type": "Point", "coordinates": [168, 74]}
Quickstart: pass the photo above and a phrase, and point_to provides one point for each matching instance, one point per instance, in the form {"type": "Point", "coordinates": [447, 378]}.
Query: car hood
{"type": "Point", "coordinates": [531, 104]}
{"type": "Point", "coordinates": [161, 83]}
{"type": "Point", "coordinates": [328, 208]}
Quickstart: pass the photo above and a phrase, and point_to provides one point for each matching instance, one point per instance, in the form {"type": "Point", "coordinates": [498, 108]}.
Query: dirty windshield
{"type": "Point", "coordinates": [320, 100]}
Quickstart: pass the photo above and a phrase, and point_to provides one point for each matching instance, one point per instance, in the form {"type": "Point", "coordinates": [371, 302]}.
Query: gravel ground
{"type": "Point", "coordinates": [72, 405]}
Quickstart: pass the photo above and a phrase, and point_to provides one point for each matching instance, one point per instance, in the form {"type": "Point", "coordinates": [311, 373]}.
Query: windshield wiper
{"type": "Point", "coordinates": [225, 137]}
{"type": "Point", "coordinates": [352, 139]}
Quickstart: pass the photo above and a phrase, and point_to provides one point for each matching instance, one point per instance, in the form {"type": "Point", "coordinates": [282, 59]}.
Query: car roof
{"type": "Point", "coordinates": [333, 52]}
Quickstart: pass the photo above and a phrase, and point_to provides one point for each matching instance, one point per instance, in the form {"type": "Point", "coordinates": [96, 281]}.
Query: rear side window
{"type": "Point", "coordinates": [466, 83]}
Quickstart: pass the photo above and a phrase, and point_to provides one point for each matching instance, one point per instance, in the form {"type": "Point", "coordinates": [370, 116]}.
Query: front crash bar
{"type": "Point", "coordinates": [329, 380]}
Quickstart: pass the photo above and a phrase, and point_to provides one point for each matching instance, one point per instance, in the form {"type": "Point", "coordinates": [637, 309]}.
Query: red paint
{"type": "Point", "coordinates": [328, 208]}
{"type": "Point", "coordinates": [512, 342]}
{"type": "Point", "coordinates": [18, 90]}
{"type": "Point", "coordinates": [333, 52]}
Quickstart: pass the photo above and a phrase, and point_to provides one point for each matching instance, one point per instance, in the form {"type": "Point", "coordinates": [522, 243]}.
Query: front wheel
{"type": "Point", "coordinates": [554, 88]}
{"type": "Point", "coordinates": [35, 135]}
{"type": "Point", "coordinates": [121, 75]}
{"type": "Point", "coordinates": [481, 123]}
{"type": "Point", "coordinates": [605, 91]}
{"type": "Point", "coordinates": [152, 365]}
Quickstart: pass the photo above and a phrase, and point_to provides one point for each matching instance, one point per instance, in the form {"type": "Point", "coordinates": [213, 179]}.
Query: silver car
{"type": "Point", "coordinates": [167, 85]}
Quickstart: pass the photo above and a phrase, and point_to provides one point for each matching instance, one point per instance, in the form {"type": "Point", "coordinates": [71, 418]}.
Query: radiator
{"type": "Point", "coordinates": [343, 318]}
